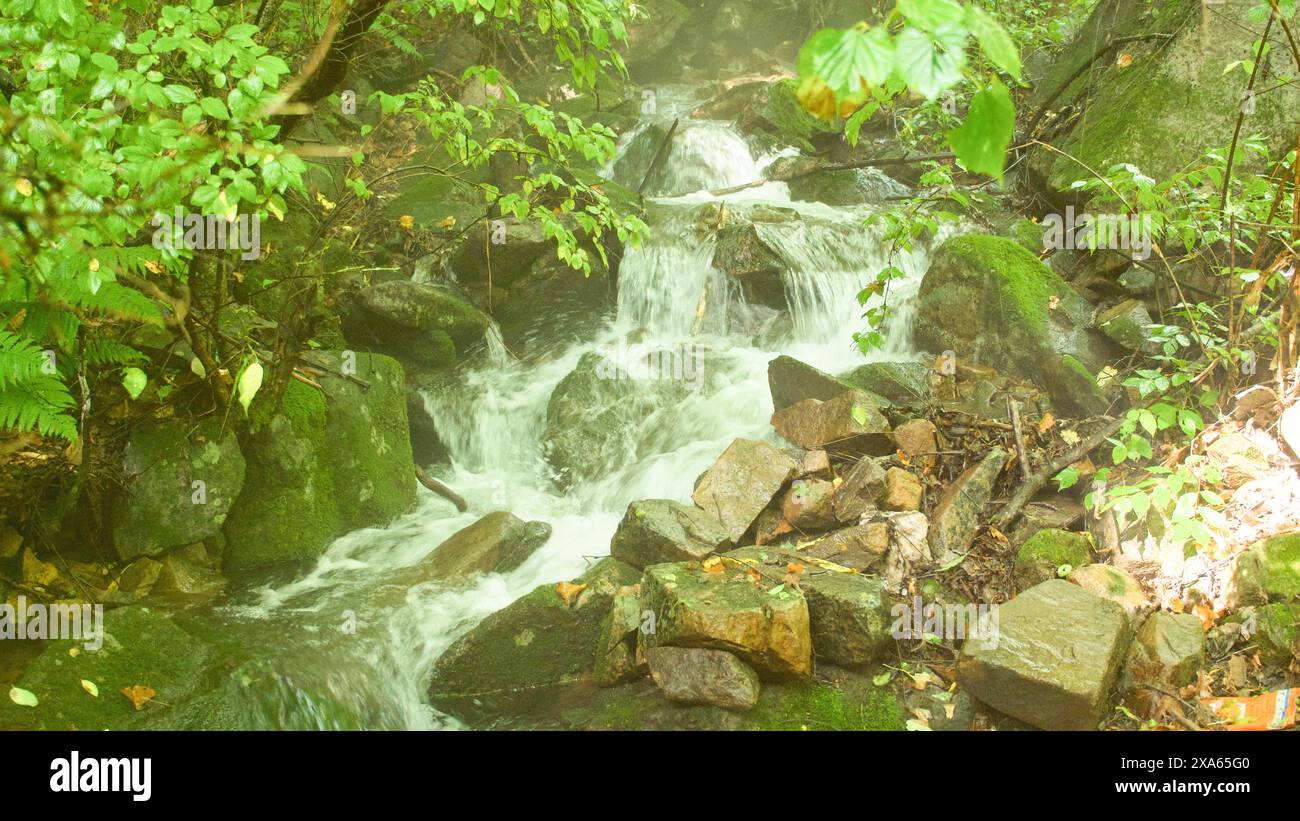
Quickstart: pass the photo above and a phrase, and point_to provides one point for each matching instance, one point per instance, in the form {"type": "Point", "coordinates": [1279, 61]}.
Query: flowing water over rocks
{"type": "Point", "coordinates": [679, 373]}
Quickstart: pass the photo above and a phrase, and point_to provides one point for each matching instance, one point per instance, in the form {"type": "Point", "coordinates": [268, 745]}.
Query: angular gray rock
{"type": "Point", "coordinates": [497, 543]}
{"type": "Point", "coordinates": [745, 479]}
{"type": "Point", "coordinates": [656, 531]}
{"type": "Point", "coordinates": [956, 518]}
{"type": "Point", "coordinates": [1053, 660]}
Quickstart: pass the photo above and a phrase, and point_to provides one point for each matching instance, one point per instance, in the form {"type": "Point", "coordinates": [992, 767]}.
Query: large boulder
{"type": "Point", "coordinates": [728, 611]}
{"type": "Point", "coordinates": [901, 382]}
{"type": "Point", "coordinates": [774, 110]}
{"type": "Point", "coordinates": [513, 658]}
{"type": "Point", "coordinates": [988, 299]}
{"type": "Point", "coordinates": [657, 531]}
{"type": "Point", "coordinates": [745, 479]}
{"type": "Point", "coordinates": [849, 424]}
{"type": "Point", "coordinates": [1053, 659]}
{"type": "Point", "coordinates": [1269, 571]}
{"type": "Point", "coordinates": [846, 187]}
{"type": "Point", "coordinates": [1175, 81]}
{"type": "Point", "coordinates": [179, 484]}
{"type": "Point", "coordinates": [497, 543]}
{"type": "Point", "coordinates": [323, 464]}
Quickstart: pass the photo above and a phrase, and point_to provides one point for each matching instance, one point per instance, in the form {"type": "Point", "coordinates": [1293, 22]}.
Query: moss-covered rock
{"type": "Point", "coordinates": [727, 611]}
{"type": "Point", "coordinates": [1277, 633]}
{"type": "Point", "coordinates": [836, 700]}
{"type": "Point", "coordinates": [1044, 554]}
{"type": "Point", "coordinates": [323, 465]}
{"type": "Point", "coordinates": [776, 112]}
{"type": "Point", "coordinates": [511, 661]}
{"type": "Point", "coordinates": [1175, 83]}
{"type": "Point", "coordinates": [988, 299]}
{"type": "Point", "coordinates": [180, 481]}
{"type": "Point", "coordinates": [1269, 571]}
{"type": "Point", "coordinates": [902, 382]}
{"type": "Point", "coordinates": [141, 646]}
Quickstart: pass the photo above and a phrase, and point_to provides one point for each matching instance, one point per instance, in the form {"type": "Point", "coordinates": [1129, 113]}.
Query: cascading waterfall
{"type": "Point", "coordinates": [492, 420]}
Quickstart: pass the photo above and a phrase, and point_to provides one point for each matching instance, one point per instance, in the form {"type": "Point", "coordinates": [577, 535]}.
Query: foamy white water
{"type": "Point", "coordinates": [494, 419]}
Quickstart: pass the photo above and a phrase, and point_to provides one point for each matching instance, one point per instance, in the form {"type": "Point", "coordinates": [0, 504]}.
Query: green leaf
{"type": "Point", "coordinates": [930, 62]}
{"type": "Point", "coordinates": [134, 380]}
{"type": "Point", "coordinates": [845, 60]}
{"type": "Point", "coordinates": [89, 687]}
{"type": "Point", "coordinates": [248, 384]}
{"type": "Point", "coordinates": [23, 698]}
{"type": "Point", "coordinates": [931, 14]}
{"type": "Point", "coordinates": [214, 108]}
{"type": "Point", "coordinates": [994, 41]}
{"type": "Point", "coordinates": [981, 141]}
{"type": "Point", "coordinates": [1067, 478]}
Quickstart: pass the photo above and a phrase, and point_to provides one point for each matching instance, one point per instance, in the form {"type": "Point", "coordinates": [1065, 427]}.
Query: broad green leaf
{"type": "Point", "coordinates": [134, 380]}
{"type": "Point", "coordinates": [994, 41]}
{"type": "Point", "coordinates": [930, 62]}
{"type": "Point", "coordinates": [248, 384]}
{"type": "Point", "coordinates": [846, 60]}
{"type": "Point", "coordinates": [931, 14]}
{"type": "Point", "coordinates": [981, 141]}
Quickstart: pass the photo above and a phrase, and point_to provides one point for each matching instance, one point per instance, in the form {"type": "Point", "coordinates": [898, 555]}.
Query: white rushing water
{"type": "Point", "coordinates": [494, 422]}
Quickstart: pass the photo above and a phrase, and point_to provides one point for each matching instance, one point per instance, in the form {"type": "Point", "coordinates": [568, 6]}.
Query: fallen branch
{"type": "Point", "coordinates": [440, 489]}
{"type": "Point", "coordinates": [1031, 487]}
{"type": "Point", "coordinates": [848, 166]}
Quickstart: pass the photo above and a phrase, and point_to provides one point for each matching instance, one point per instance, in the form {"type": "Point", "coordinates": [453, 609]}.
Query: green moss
{"type": "Point", "coordinates": [1270, 571]}
{"type": "Point", "coordinates": [1277, 632]}
{"type": "Point", "coordinates": [141, 646]}
{"type": "Point", "coordinates": [788, 120]}
{"type": "Point", "coordinates": [816, 706]}
{"type": "Point", "coordinates": [1048, 550]}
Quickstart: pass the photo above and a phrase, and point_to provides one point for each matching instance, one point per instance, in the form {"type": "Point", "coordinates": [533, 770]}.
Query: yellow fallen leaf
{"type": "Point", "coordinates": [1070, 437]}
{"type": "Point", "coordinates": [406, 221]}
{"type": "Point", "coordinates": [713, 565]}
{"type": "Point", "coordinates": [449, 222]}
{"type": "Point", "coordinates": [569, 592]}
{"type": "Point", "coordinates": [1125, 60]}
{"type": "Point", "coordinates": [324, 203]}
{"type": "Point", "coordinates": [139, 695]}
{"type": "Point", "coordinates": [89, 687]}
{"type": "Point", "coordinates": [1047, 423]}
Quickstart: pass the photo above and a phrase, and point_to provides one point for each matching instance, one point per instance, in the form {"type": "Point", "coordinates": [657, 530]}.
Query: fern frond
{"type": "Point", "coordinates": [110, 352]}
{"type": "Point", "coordinates": [20, 359]}
{"type": "Point", "coordinates": [38, 404]}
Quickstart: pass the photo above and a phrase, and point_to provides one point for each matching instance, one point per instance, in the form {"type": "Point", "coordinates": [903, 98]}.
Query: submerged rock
{"type": "Point", "coordinates": [691, 675]}
{"type": "Point", "coordinates": [745, 479]}
{"type": "Point", "coordinates": [1053, 660]}
{"type": "Point", "coordinates": [497, 543]}
{"type": "Point", "coordinates": [656, 531]}
{"type": "Point", "coordinates": [726, 611]}
{"type": "Point", "coordinates": [179, 486]}
{"type": "Point", "coordinates": [595, 416]}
